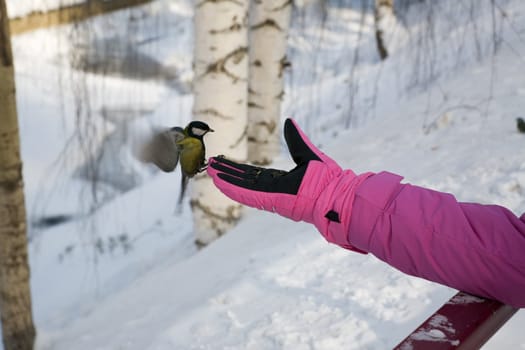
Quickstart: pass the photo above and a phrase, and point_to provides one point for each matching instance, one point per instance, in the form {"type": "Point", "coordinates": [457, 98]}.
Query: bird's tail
{"type": "Point", "coordinates": [183, 185]}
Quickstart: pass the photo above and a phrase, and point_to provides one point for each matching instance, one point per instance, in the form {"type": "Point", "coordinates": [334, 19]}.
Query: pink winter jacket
{"type": "Point", "coordinates": [475, 248]}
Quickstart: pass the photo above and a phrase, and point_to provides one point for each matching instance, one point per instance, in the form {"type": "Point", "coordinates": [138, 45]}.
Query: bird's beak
{"type": "Point", "coordinates": [211, 130]}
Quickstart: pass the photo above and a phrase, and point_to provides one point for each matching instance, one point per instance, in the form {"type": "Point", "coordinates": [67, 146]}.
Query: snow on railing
{"type": "Point", "coordinates": [464, 322]}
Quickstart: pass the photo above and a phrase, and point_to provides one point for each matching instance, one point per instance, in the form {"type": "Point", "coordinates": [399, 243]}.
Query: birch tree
{"type": "Point", "coordinates": [269, 26]}
{"type": "Point", "coordinates": [384, 19]}
{"type": "Point", "coordinates": [15, 298]}
{"type": "Point", "coordinates": [220, 99]}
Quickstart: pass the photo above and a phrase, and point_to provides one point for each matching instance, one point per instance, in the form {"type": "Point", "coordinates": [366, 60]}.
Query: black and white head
{"type": "Point", "coordinates": [198, 129]}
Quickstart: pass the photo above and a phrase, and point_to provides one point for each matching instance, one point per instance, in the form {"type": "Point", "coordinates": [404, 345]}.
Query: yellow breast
{"type": "Point", "coordinates": [191, 155]}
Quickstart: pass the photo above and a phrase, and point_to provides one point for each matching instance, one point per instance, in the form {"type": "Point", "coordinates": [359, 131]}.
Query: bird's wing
{"type": "Point", "coordinates": [162, 149]}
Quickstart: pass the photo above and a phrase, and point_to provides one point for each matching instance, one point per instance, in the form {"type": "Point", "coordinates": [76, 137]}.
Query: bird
{"type": "Point", "coordinates": [520, 123]}
{"type": "Point", "coordinates": [171, 146]}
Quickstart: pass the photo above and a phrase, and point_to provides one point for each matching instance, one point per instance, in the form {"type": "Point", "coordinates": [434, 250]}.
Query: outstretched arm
{"type": "Point", "coordinates": [475, 248]}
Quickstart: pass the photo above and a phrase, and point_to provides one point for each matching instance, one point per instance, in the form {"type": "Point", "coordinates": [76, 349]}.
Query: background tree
{"type": "Point", "coordinates": [220, 99]}
{"type": "Point", "coordinates": [269, 26]}
{"type": "Point", "coordinates": [383, 18]}
{"type": "Point", "coordinates": [15, 297]}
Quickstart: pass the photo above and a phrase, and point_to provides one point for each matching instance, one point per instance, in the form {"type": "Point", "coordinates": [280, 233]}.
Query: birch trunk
{"type": "Point", "coordinates": [15, 297]}
{"type": "Point", "coordinates": [384, 19]}
{"type": "Point", "coordinates": [220, 99]}
{"type": "Point", "coordinates": [269, 25]}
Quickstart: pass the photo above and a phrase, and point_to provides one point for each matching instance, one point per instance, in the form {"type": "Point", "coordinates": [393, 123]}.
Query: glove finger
{"type": "Point", "coordinates": [298, 144]}
{"type": "Point", "coordinates": [239, 166]}
{"type": "Point", "coordinates": [237, 181]}
{"type": "Point", "coordinates": [222, 168]}
{"type": "Point", "coordinates": [268, 183]}
{"type": "Point", "coordinates": [244, 192]}
{"type": "Point", "coordinates": [250, 172]}
{"type": "Point", "coordinates": [301, 148]}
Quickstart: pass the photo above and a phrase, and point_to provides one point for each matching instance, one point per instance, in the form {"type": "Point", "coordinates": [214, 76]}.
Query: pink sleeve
{"type": "Point", "coordinates": [475, 248]}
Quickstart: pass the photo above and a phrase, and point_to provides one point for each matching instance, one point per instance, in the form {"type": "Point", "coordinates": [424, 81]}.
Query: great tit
{"type": "Point", "coordinates": [168, 147]}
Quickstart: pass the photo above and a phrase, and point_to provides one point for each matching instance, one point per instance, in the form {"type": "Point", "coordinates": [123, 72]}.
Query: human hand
{"type": "Point", "coordinates": [315, 191]}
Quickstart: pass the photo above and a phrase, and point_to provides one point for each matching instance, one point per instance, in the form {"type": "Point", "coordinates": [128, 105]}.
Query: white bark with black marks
{"type": "Point", "coordinates": [269, 27]}
{"type": "Point", "coordinates": [220, 99]}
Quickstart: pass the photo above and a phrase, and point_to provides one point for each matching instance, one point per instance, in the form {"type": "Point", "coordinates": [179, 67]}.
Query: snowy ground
{"type": "Point", "coordinates": [129, 277]}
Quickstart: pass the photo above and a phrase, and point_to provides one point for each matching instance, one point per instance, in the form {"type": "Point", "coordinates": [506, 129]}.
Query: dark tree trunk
{"type": "Point", "coordinates": [15, 296]}
{"type": "Point", "coordinates": [383, 9]}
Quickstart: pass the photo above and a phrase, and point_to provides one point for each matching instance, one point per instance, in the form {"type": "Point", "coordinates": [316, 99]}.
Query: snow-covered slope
{"type": "Point", "coordinates": [275, 284]}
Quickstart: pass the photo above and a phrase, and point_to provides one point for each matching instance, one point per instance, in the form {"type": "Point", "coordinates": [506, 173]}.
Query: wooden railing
{"type": "Point", "coordinates": [69, 14]}
{"type": "Point", "coordinates": [464, 322]}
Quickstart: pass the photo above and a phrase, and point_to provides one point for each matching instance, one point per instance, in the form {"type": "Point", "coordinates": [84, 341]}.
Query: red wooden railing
{"type": "Point", "coordinates": [464, 322]}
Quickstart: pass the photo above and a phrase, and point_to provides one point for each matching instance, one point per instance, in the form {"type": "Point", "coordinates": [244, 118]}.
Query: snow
{"type": "Point", "coordinates": [435, 332]}
{"type": "Point", "coordinates": [123, 273]}
{"type": "Point", "coordinates": [465, 299]}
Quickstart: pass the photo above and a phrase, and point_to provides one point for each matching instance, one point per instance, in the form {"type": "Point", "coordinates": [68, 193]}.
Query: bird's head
{"type": "Point", "coordinates": [198, 129]}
